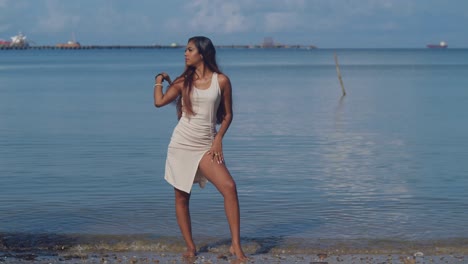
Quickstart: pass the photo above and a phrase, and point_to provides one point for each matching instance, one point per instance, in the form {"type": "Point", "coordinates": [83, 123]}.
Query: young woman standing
{"type": "Point", "coordinates": [195, 152]}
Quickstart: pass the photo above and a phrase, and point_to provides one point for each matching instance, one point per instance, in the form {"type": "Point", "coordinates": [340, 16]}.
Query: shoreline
{"type": "Point", "coordinates": [149, 257]}
{"type": "Point", "coordinates": [73, 248]}
{"type": "Point", "coordinates": [224, 257]}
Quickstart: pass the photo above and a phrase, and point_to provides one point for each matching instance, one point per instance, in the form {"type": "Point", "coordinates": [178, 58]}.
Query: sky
{"type": "Point", "coordinates": [323, 23]}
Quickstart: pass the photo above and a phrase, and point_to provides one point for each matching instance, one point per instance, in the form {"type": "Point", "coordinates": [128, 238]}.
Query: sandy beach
{"type": "Point", "coordinates": [151, 257]}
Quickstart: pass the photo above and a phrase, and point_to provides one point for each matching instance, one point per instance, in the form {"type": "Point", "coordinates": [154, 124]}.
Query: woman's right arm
{"type": "Point", "coordinates": [161, 99]}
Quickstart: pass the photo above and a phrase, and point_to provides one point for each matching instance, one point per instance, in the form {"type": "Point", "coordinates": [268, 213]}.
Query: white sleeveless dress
{"type": "Point", "coordinates": [192, 138]}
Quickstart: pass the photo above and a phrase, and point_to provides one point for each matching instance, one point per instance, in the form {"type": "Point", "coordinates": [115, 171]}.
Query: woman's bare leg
{"type": "Point", "coordinates": [182, 200]}
{"type": "Point", "coordinates": [220, 177]}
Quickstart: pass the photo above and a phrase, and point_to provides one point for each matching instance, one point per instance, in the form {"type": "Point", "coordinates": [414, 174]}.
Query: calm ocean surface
{"type": "Point", "coordinates": [82, 148]}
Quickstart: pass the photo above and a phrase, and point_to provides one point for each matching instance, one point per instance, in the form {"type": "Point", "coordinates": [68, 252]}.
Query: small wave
{"type": "Point", "coordinates": [85, 244]}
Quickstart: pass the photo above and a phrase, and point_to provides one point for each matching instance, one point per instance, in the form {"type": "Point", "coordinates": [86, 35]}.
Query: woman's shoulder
{"type": "Point", "coordinates": [223, 79]}
{"type": "Point", "coordinates": [179, 81]}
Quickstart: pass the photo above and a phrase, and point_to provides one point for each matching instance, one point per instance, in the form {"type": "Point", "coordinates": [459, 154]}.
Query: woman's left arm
{"type": "Point", "coordinates": [226, 91]}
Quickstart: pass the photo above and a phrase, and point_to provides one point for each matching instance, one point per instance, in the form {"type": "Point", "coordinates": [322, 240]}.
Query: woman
{"type": "Point", "coordinates": [195, 153]}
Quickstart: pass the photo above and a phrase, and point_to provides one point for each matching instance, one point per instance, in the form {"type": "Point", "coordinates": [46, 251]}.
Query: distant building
{"type": "Point", "coordinates": [71, 44]}
{"type": "Point", "coordinates": [268, 42]}
{"type": "Point", "coordinates": [4, 43]}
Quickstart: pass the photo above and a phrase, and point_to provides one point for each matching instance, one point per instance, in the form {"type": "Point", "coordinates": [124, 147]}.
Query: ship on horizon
{"type": "Point", "coordinates": [71, 44]}
{"type": "Point", "coordinates": [441, 45]}
{"type": "Point", "coordinates": [18, 41]}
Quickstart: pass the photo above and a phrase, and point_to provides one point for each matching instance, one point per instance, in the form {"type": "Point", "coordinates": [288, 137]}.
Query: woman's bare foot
{"type": "Point", "coordinates": [238, 253]}
{"type": "Point", "coordinates": [190, 253]}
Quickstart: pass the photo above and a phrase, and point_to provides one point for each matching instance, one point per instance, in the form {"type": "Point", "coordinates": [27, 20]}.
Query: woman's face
{"type": "Point", "coordinates": [192, 57]}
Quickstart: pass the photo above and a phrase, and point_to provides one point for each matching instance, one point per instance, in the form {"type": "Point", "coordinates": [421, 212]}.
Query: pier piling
{"type": "Point", "coordinates": [338, 72]}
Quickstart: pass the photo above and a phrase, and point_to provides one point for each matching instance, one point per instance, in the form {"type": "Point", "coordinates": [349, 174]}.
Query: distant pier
{"type": "Point", "coordinates": [92, 47]}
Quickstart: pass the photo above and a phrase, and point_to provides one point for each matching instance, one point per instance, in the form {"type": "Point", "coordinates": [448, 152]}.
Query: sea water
{"type": "Point", "coordinates": [82, 147]}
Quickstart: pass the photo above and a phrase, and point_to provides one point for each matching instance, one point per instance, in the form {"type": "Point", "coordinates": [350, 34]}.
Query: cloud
{"type": "Point", "coordinates": [3, 3]}
{"type": "Point", "coordinates": [334, 15]}
{"type": "Point", "coordinates": [111, 21]}
{"type": "Point", "coordinates": [280, 21]}
{"type": "Point", "coordinates": [56, 19]}
{"type": "Point", "coordinates": [217, 16]}
{"type": "Point", "coordinates": [123, 25]}
{"type": "Point", "coordinates": [286, 5]}
{"type": "Point", "coordinates": [308, 18]}
{"type": "Point", "coordinates": [5, 24]}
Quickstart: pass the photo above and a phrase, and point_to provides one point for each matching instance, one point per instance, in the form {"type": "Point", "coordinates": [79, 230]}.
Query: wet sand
{"type": "Point", "coordinates": [151, 257]}
{"type": "Point", "coordinates": [116, 249]}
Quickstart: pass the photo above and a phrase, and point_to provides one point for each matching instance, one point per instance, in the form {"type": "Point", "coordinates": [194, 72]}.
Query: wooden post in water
{"type": "Point", "coordinates": [339, 75]}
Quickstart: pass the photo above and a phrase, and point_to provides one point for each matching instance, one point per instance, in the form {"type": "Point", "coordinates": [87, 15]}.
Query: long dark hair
{"type": "Point", "coordinates": [207, 50]}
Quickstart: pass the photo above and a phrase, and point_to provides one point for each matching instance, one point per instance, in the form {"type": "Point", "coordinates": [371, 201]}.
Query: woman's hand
{"type": "Point", "coordinates": [216, 151]}
{"type": "Point", "coordinates": [160, 77]}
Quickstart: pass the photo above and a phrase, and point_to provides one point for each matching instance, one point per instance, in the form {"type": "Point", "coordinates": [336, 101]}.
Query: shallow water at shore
{"type": "Point", "coordinates": [16, 242]}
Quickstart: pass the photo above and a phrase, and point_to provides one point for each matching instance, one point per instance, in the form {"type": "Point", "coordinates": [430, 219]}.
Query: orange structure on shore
{"type": "Point", "coordinates": [69, 45]}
